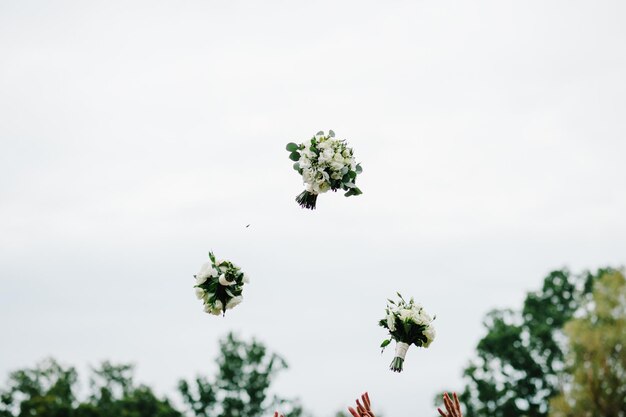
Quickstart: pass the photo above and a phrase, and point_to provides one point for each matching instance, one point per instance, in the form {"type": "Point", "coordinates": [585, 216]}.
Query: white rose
{"type": "Point", "coordinates": [225, 282]}
{"type": "Point", "coordinates": [234, 302]}
{"type": "Point", "coordinates": [424, 318]}
{"type": "Point", "coordinates": [304, 163]}
{"type": "Point", "coordinates": [307, 154]}
{"type": "Point", "coordinates": [206, 271]}
{"type": "Point", "coordinates": [199, 293]}
{"type": "Point", "coordinates": [327, 144]}
{"type": "Point", "coordinates": [337, 166]}
{"type": "Point", "coordinates": [407, 314]}
{"type": "Point", "coordinates": [430, 335]}
{"type": "Point", "coordinates": [323, 187]}
{"type": "Point", "coordinates": [215, 309]}
{"type": "Point", "coordinates": [308, 175]}
{"type": "Point", "coordinates": [391, 322]}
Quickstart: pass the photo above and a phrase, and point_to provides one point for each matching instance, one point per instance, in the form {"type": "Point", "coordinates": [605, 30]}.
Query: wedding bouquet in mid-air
{"type": "Point", "coordinates": [325, 163]}
{"type": "Point", "coordinates": [408, 324]}
{"type": "Point", "coordinates": [219, 285]}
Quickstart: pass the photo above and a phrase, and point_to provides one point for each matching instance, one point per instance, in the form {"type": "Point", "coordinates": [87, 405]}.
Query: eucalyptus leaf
{"type": "Point", "coordinates": [294, 156]}
{"type": "Point", "coordinates": [320, 133]}
{"type": "Point", "coordinates": [331, 133]}
{"type": "Point", "coordinates": [358, 168]}
{"type": "Point", "coordinates": [296, 166]}
{"type": "Point", "coordinates": [292, 147]}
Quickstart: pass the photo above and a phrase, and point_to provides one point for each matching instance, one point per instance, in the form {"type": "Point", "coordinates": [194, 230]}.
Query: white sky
{"type": "Point", "coordinates": [136, 136]}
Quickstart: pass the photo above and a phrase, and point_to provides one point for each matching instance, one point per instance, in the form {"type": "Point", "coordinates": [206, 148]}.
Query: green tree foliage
{"type": "Point", "coordinates": [240, 387]}
{"type": "Point", "coordinates": [520, 361]}
{"type": "Point", "coordinates": [596, 365]}
{"type": "Point", "coordinates": [114, 393]}
{"type": "Point", "coordinates": [48, 390]}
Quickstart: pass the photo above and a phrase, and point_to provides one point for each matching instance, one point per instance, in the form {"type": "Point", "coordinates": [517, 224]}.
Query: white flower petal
{"type": "Point", "coordinates": [200, 293]}
{"type": "Point", "coordinates": [225, 282]}
{"type": "Point", "coordinates": [234, 302]}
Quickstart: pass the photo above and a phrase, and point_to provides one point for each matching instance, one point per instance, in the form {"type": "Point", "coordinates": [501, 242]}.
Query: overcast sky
{"type": "Point", "coordinates": [137, 136]}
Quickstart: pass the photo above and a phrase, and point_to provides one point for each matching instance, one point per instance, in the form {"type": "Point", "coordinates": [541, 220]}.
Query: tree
{"type": "Point", "coordinates": [596, 386]}
{"type": "Point", "coordinates": [46, 391]}
{"type": "Point", "coordinates": [114, 393]}
{"type": "Point", "coordinates": [240, 388]}
{"type": "Point", "coordinates": [520, 361]}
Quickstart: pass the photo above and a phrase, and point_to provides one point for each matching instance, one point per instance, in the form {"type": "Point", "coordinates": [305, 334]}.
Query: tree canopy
{"type": "Point", "coordinates": [520, 362]}
{"type": "Point", "coordinates": [239, 388]}
{"type": "Point", "coordinates": [596, 355]}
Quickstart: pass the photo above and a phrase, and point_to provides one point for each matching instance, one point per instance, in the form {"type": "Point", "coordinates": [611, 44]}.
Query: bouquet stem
{"type": "Point", "coordinates": [307, 200]}
{"type": "Point", "coordinates": [398, 360]}
{"type": "Point", "coordinates": [396, 364]}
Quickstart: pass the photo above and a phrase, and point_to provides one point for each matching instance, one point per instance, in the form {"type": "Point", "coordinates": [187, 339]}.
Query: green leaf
{"type": "Point", "coordinates": [345, 178]}
{"type": "Point", "coordinates": [331, 133]}
{"type": "Point", "coordinates": [292, 147]}
{"type": "Point", "coordinates": [358, 168]}
{"type": "Point", "coordinates": [296, 166]}
{"type": "Point", "coordinates": [349, 193]}
{"type": "Point", "coordinates": [352, 174]}
{"type": "Point", "coordinates": [320, 133]}
{"type": "Point", "coordinates": [344, 170]}
{"type": "Point", "coordinates": [294, 156]}
{"type": "Point", "coordinates": [385, 343]}
{"type": "Point", "coordinates": [357, 191]}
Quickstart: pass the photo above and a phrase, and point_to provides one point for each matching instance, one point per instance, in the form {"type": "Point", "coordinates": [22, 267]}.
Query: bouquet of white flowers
{"type": "Point", "coordinates": [219, 285]}
{"type": "Point", "coordinates": [408, 324]}
{"type": "Point", "coordinates": [325, 163]}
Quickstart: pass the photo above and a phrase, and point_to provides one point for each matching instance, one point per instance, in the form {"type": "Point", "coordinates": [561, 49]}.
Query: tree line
{"type": "Point", "coordinates": [563, 354]}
